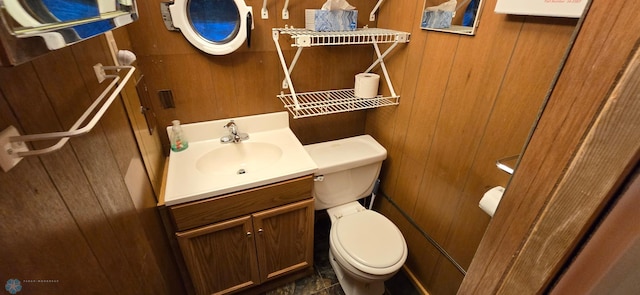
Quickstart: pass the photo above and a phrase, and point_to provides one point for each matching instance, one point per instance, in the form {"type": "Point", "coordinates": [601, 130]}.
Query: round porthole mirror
{"type": "Point", "coordinates": [214, 26]}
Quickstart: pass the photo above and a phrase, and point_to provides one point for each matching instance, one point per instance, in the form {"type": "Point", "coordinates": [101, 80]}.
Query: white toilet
{"type": "Point", "coordinates": [366, 248]}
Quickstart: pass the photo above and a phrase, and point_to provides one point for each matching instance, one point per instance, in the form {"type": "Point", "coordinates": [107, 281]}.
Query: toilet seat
{"type": "Point", "coordinates": [369, 242]}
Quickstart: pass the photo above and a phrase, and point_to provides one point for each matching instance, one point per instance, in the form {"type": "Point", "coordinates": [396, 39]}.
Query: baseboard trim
{"type": "Point", "coordinates": [414, 280]}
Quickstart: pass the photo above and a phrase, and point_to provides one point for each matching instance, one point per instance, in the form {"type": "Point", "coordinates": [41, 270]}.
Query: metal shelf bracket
{"type": "Point", "coordinates": [285, 10]}
{"type": "Point", "coordinates": [372, 15]}
{"type": "Point", "coordinates": [264, 13]}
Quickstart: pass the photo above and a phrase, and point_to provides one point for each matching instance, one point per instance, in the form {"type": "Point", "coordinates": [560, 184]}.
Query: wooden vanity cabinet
{"type": "Point", "coordinates": [249, 250]}
{"type": "Point", "coordinates": [221, 258]}
{"type": "Point", "coordinates": [284, 240]}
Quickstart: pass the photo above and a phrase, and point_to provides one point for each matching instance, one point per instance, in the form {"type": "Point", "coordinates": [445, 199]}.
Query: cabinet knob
{"type": "Point", "coordinates": [248, 234]}
{"type": "Point", "coordinates": [260, 230]}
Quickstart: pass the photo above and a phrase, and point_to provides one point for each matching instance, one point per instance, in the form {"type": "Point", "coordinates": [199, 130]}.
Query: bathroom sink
{"type": "Point", "coordinates": [209, 168]}
{"type": "Point", "coordinates": [239, 158]}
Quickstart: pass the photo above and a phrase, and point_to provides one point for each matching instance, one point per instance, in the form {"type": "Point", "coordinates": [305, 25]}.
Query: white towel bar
{"type": "Point", "coordinates": [12, 144]}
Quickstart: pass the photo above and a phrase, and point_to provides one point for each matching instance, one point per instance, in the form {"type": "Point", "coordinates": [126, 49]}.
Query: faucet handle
{"type": "Point", "coordinates": [230, 124]}
{"type": "Point", "coordinates": [232, 127]}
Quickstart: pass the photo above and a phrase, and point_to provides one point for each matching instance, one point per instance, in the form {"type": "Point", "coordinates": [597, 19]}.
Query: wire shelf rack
{"type": "Point", "coordinates": [310, 104]}
{"type": "Point", "coordinates": [308, 38]}
{"type": "Point", "coordinates": [331, 102]}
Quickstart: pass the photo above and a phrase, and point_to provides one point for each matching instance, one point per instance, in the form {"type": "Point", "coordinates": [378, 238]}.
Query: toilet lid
{"type": "Point", "coordinates": [370, 239]}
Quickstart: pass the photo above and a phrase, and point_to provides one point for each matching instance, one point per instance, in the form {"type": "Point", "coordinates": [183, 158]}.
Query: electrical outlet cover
{"type": "Point", "coordinates": [8, 150]}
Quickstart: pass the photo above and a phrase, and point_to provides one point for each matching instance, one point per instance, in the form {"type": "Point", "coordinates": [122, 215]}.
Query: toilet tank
{"type": "Point", "coordinates": [347, 169]}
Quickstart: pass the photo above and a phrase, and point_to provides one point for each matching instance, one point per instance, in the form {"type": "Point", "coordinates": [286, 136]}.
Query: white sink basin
{"type": "Point", "coordinates": [239, 158]}
{"type": "Point", "coordinates": [210, 168]}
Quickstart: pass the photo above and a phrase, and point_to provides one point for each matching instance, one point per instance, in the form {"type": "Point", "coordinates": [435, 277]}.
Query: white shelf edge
{"type": "Point", "coordinates": [308, 38]}
{"type": "Point", "coordinates": [332, 102]}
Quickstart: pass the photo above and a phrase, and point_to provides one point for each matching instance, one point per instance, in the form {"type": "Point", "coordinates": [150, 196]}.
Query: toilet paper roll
{"type": "Point", "coordinates": [366, 85]}
{"type": "Point", "coordinates": [491, 199]}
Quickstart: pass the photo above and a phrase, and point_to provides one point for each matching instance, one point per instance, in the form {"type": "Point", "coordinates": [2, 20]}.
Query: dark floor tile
{"type": "Point", "coordinates": [309, 285]}
{"type": "Point", "coordinates": [287, 289]}
{"type": "Point", "coordinates": [335, 290]}
{"type": "Point", "coordinates": [328, 275]}
{"type": "Point", "coordinates": [321, 253]}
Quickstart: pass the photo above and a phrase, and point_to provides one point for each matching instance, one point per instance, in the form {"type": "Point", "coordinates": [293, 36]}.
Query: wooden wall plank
{"type": "Point", "coordinates": [149, 145]}
{"type": "Point", "coordinates": [389, 125]}
{"type": "Point", "coordinates": [141, 189]}
{"type": "Point", "coordinates": [606, 263]}
{"type": "Point", "coordinates": [436, 67]}
{"type": "Point", "coordinates": [456, 119]}
{"type": "Point", "coordinates": [25, 192]}
{"type": "Point", "coordinates": [254, 91]}
{"type": "Point", "coordinates": [517, 105]}
{"type": "Point", "coordinates": [194, 97]}
{"type": "Point", "coordinates": [225, 89]}
{"type": "Point", "coordinates": [446, 278]}
{"type": "Point", "coordinates": [117, 130]}
{"type": "Point", "coordinates": [478, 68]}
{"type": "Point", "coordinates": [593, 65]}
{"type": "Point", "coordinates": [93, 154]}
{"type": "Point", "coordinates": [36, 115]}
{"type": "Point", "coordinates": [115, 119]}
{"type": "Point", "coordinates": [420, 250]}
{"type": "Point", "coordinates": [319, 129]}
{"type": "Point", "coordinates": [87, 175]}
{"type": "Point", "coordinates": [608, 153]}
{"type": "Point", "coordinates": [153, 66]}
{"type": "Point", "coordinates": [39, 233]}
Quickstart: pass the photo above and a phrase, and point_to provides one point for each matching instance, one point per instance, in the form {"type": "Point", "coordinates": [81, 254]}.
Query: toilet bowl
{"type": "Point", "coordinates": [365, 248]}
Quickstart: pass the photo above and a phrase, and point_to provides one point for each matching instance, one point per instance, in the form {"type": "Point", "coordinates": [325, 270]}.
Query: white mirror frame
{"type": "Point", "coordinates": [179, 15]}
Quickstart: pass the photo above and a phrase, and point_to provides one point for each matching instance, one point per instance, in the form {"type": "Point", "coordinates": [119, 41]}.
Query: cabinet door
{"type": "Point", "coordinates": [221, 257]}
{"type": "Point", "coordinates": [284, 239]}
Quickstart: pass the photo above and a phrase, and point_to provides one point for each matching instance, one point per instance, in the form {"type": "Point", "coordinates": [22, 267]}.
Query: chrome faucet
{"type": "Point", "coordinates": [234, 136]}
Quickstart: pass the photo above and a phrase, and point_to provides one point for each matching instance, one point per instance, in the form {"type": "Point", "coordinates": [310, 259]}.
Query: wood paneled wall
{"type": "Point", "coordinates": [71, 216]}
{"type": "Point", "coordinates": [246, 82]}
{"type": "Point", "coordinates": [545, 212]}
{"type": "Point", "coordinates": [466, 101]}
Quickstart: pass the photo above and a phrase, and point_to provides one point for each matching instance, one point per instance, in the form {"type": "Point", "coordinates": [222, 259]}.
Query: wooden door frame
{"type": "Point", "coordinates": [580, 152]}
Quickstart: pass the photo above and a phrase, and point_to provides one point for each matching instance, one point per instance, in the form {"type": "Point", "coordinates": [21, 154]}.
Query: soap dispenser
{"type": "Point", "coordinates": [178, 140]}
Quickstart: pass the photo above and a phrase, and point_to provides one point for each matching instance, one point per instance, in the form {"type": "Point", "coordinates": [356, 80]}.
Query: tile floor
{"type": "Point", "coordinates": [324, 280]}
